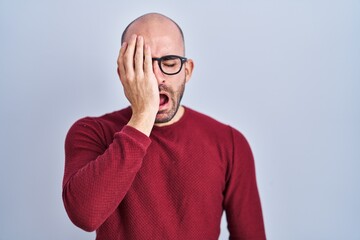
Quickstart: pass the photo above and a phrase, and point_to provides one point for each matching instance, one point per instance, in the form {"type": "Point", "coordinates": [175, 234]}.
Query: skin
{"type": "Point", "coordinates": [152, 35]}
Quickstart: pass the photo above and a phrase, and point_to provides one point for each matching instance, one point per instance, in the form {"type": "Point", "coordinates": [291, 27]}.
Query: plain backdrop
{"type": "Point", "coordinates": [286, 73]}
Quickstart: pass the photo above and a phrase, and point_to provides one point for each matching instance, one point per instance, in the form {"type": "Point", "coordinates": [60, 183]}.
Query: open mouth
{"type": "Point", "coordinates": [164, 99]}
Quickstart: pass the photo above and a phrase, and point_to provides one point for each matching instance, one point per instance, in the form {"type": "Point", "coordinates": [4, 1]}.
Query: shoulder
{"type": "Point", "coordinates": [120, 117]}
{"type": "Point", "coordinates": [213, 126]}
{"type": "Point", "coordinates": [210, 126]}
{"type": "Point", "coordinates": [204, 120]}
{"type": "Point", "coordinates": [105, 125]}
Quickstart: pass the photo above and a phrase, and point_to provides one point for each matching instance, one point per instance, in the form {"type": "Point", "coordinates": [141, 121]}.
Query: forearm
{"type": "Point", "coordinates": [92, 192]}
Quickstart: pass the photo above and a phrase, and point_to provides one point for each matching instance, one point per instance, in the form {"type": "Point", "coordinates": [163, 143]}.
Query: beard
{"type": "Point", "coordinates": [165, 116]}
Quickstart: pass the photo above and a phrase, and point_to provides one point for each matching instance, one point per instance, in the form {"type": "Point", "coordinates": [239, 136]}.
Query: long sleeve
{"type": "Point", "coordinates": [98, 174]}
{"type": "Point", "coordinates": [242, 202]}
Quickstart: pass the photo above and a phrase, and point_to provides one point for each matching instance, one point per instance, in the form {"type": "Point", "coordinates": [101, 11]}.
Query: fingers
{"type": "Point", "coordinates": [120, 61]}
{"type": "Point", "coordinates": [148, 68]}
{"type": "Point", "coordinates": [139, 57]}
{"type": "Point", "coordinates": [129, 57]}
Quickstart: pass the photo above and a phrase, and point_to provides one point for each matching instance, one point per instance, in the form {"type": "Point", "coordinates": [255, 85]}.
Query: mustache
{"type": "Point", "coordinates": [164, 88]}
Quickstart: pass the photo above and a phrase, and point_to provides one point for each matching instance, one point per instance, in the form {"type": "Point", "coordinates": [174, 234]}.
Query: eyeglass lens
{"type": "Point", "coordinates": [170, 64]}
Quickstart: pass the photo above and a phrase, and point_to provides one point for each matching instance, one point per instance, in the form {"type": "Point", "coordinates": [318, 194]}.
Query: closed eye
{"type": "Point", "coordinates": [169, 64]}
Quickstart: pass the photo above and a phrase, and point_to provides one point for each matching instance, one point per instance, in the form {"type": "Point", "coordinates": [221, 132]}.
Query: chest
{"type": "Point", "coordinates": [186, 168]}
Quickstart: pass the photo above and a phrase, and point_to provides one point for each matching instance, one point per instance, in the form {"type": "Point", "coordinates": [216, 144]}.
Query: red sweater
{"type": "Point", "coordinates": [173, 185]}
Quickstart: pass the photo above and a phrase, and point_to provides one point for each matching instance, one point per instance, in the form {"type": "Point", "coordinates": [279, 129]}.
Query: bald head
{"type": "Point", "coordinates": [151, 21]}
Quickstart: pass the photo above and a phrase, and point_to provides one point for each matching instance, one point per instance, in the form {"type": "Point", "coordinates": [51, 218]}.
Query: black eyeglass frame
{"type": "Point", "coordinates": [159, 60]}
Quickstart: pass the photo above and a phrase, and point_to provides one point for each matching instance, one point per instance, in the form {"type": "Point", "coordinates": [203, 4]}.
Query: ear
{"type": "Point", "coordinates": [189, 67]}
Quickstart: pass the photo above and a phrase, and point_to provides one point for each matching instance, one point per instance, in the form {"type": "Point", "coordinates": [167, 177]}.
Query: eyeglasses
{"type": "Point", "coordinates": [170, 64]}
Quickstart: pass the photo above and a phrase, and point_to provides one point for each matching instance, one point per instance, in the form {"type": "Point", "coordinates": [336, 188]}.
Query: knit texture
{"type": "Point", "coordinates": [174, 184]}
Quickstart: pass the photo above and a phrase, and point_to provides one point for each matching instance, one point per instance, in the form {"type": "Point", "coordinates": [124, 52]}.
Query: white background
{"type": "Point", "coordinates": [285, 73]}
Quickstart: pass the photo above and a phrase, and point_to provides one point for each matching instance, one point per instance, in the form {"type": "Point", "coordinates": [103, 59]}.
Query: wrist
{"type": "Point", "coordinates": [143, 122]}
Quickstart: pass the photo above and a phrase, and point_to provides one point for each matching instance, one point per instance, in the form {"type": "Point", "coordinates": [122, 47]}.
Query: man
{"type": "Point", "coordinates": [159, 170]}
